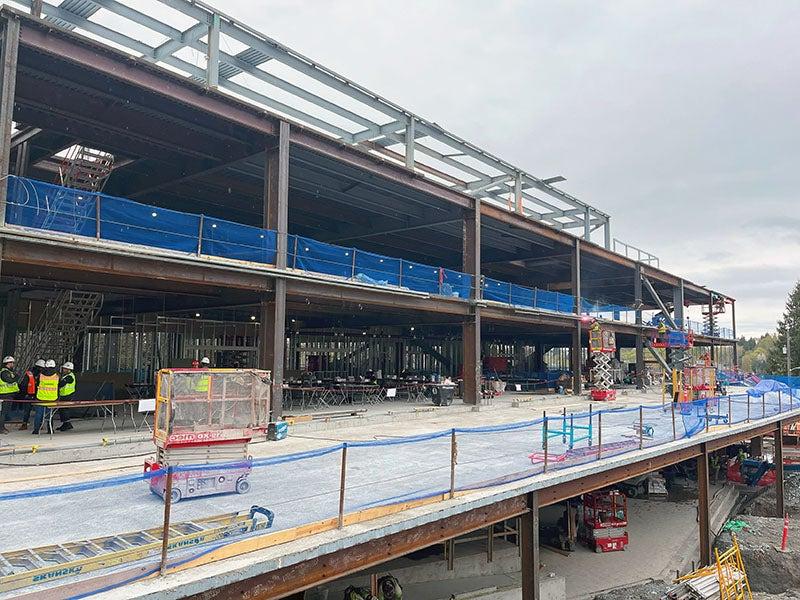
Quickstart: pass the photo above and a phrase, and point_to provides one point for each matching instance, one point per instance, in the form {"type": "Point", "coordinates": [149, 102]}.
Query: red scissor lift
{"type": "Point", "coordinates": [605, 519]}
{"type": "Point", "coordinates": [205, 418]}
{"type": "Point", "coordinates": [602, 345]}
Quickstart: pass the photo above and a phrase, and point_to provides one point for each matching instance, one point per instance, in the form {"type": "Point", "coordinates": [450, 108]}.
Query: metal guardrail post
{"type": "Point", "coordinates": [341, 485]}
{"type": "Point", "coordinates": [564, 426]}
{"type": "Point", "coordinates": [165, 531]}
{"type": "Point", "coordinates": [294, 258]}
{"type": "Point", "coordinates": [453, 459]}
{"type": "Point", "coordinates": [590, 425]}
{"type": "Point", "coordinates": [730, 411]}
{"type": "Point", "coordinates": [353, 265]}
{"type": "Point", "coordinates": [641, 427]}
{"type": "Point", "coordinates": [780, 402]}
{"type": "Point", "coordinates": [200, 235]}
{"type": "Point", "coordinates": [707, 419]}
{"type": "Point", "coordinates": [748, 406]}
{"type": "Point", "coordinates": [97, 217]}
{"type": "Point", "coordinates": [599, 434]}
{"type": "Point", "coordinates": [544, 440]}
{"type": "Point", "coordinates": [674, 429]}
{"type": "Point", "coordinates": [763, 405]}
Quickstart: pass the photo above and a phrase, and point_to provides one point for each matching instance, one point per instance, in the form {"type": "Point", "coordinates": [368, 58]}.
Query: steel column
{"type": "Point", "coordinates": [703, 506]}
{"type": "Point", "coordinates": [411, 134]}
{"type": "Point", "coordinates": [756, 446]}
{"type": "Point", "coordinates": [518, 206]}
{"type": "Point", "coordinates": [587, 225]}
{"type": "Point", "coordinates": [471, 329]}
{"type": "Point", "coordinates": [212, 68]}
{"type": "Point", "coordinates": [677, 305]}
{"type": "Point", "coordinates": [9, 46]}
{"type": "Point", "coordinates": [272, 342]}
{"type": "Point", "coordinates": [276, 191]}
{"type": "Point", "coordinates": [637, 294]}
{"type": "Point", "coordinates": [607, 233]}
{"type": "Point", "coordinates": [779, 481]}
{"type": "Point", "coordinates": [576, 353]}
{"type": "Point", "coordinates": [529, 540]}
{"type": "Point", "coordinates": [10, 324]}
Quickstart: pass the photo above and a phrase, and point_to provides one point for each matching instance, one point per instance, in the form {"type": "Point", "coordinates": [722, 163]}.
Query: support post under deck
{"type": "Point", "coordinates": [703, 506]}
{"type": "Point", "coordinates": [637, 295]}
{"type": "Point", "coordinates": [471, 328]}
{"type": "Point", "coordinates": [779, 487]}
{"type": "Point", "coordinates": [529, 540]}
{"type": "Point", "coordinates": [272, 331]}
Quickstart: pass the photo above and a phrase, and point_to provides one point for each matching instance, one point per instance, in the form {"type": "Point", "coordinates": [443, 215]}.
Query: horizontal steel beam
{"type": "Point", "coordinates": [302, 576]}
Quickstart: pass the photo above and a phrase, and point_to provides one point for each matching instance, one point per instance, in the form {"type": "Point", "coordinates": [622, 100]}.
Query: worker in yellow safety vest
{"type": "Point", "coordinates": [46, 393]}
{"type": "Point", "coordinates": [662, 332]}
{"type": "Point", "coordinates": [203, 383]}
{"type": "Point", "coordinates": [66, 391]}
{"type": "Point", "coordinates": [9, 390]}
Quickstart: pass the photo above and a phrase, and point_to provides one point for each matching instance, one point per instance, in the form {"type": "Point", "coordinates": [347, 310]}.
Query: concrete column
{"type": "Point", "coordinates": [637, 295]}
{"type": "Point", "coordinates": [471, 329]}
{"type": "Point", "coordinates": [703, 506]}
{"type": "Point", "coordinates": [576, 353]}
{"type": "Point", "coordinates": [272, 330]}
{"type": "Point", "coordinates": [529, 541]}
{"type": "Point", "coordinates": [779, 480]}
{"type": "Point", "coordinates": [9, 44]}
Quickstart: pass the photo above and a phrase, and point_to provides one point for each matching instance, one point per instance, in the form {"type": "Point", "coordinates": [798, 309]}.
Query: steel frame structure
{"type": "Point", "coordinates": [338, 106]}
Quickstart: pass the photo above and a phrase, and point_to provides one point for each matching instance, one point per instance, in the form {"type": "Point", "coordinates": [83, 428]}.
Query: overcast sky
{"type": "Point", "coordinates": [680, 119]}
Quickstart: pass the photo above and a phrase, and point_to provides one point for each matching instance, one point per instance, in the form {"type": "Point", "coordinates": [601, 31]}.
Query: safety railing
{"type": "Point", "coordinates": [44, 206]}
{"type": "Point", "coordinates": [334, 486]}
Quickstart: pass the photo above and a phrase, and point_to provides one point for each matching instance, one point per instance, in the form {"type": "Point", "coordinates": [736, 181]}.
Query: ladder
{"type": "Point", "coordinates": [21, 568]}
{"type": "Point", "coordinates": [60, 327]}
{"type": "Point", "coordinates": [83, 169]}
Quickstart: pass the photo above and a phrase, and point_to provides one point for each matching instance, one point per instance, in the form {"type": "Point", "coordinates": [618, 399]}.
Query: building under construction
{"type": "Point", "coordinates": [178, 185]}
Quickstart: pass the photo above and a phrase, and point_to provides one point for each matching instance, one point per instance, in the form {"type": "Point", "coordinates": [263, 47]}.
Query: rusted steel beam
{"type": "Point", "coordinates": [284, 582]}
{"type": "Point", "coordinates": [703, 506]}
{"type": "Point", "coordinates": [62, 257]}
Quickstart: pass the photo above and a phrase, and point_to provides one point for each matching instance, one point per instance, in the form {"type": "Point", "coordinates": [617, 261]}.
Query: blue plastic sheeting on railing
{"type": "Point", "coordinates": [522, 296]}
{"type": "Point", "coordinates": [377, 269]}
{"type": "Point", "coordinates": [456, 284]}
{"type": "Point", "coordinates": [128, 221]}
{"type": "Point", "coordinates": [547, 300]}
{"type": "Point", "coordinates": [793, 381]}
{"type": "Point", "coordinates": [241, 242]}
{"type": "Point", "coordinates": [420, 278]}
{"type": "Point", "coordinates": [323, 258]}
{"type": "Point", "coordinates": [51, 207]}
{"type": "Point", "coordinates": [496, 291]}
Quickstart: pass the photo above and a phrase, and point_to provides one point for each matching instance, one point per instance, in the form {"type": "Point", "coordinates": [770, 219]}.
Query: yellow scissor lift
{"type": "Point", "coordinates": [22, 568]}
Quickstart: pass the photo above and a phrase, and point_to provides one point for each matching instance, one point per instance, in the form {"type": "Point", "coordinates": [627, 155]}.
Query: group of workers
{"type": "Point", "coordinates": [39, 387]}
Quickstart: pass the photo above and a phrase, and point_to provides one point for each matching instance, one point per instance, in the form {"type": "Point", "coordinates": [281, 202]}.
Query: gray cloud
{"type": "Point", "coordinates": [679, 119]}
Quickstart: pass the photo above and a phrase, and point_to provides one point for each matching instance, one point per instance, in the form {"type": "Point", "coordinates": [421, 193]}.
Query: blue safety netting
{"type": "Point", "coordinates": [421, 278]}
{"type": "Point", "coordinates": [128, 221]}
{"type": "Point", "coordinates": [376, 269]}
{"type": "Point", "coordinates": [311, 255]}
{"type": "Point", "coordinates": [241, 242]}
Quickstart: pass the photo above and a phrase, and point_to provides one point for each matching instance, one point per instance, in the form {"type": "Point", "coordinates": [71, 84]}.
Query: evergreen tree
{"type": "Point", "coordinates": [776, 362]}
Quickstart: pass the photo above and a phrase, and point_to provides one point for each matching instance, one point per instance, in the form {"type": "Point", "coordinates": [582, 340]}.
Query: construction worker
{"type": "Point", "coordinates": [66, 390]}
{"type": "Point", "coordinates": [46, 393]}
{"type": "Point", "coordinates": [29, 385]}
{"type": "Point", "coordinates": [662, 331]}
{"type": "Point", "coordinates": [9, 390]}
{"type": "Point", "coordinates": [203, 383]}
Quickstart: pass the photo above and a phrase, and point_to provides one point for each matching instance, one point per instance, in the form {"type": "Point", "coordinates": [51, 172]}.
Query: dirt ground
{"type": "Point", "coordinates": [653, 590]}
{"type": "Point", "coordinates": [764, 504]}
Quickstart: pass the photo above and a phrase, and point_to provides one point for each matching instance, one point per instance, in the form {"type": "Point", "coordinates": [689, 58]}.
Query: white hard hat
{"type": "Point", "coordinates": [39, 363]}
{"type": "Point", "coordinates": [68, 365]}
{"type": "Point", "coordinates": [8, 359]}
{"type": "Point", "coordinates": [50, 363]}
{"type": "Point", "coordinates": [205, 360]}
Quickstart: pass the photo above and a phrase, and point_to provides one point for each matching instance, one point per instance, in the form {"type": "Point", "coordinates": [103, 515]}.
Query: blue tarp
{"type": "Point", "coordinates": [51, 207]}
{"type": "Point", "coordinates": [421, 278]}
{"type": "Point", "coordinates": [323, 258]}
{"type": "Point", "coordinates": [767, 385]}
{"type": "Point", "coordinates": [378, 268]}
{"type": "Point", "coordinates": [128, 221]}
{"type": "Point", "coordinates": [456, 284]}
{"type": "Point", "coordinates": [496, 291]}
{"type": "Point", "coordinates": [242, 242]}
